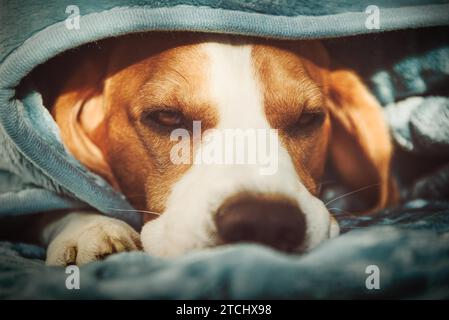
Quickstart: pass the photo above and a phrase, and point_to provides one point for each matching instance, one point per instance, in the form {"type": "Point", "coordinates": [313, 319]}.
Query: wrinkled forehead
{"type": "Point", "coordinates": [208, 71]}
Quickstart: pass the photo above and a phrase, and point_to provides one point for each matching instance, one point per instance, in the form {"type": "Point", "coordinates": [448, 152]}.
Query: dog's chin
{"type": "Point", "coordinates": [164, 237]}
{"type": "Point", "coordinates": [161, 238]}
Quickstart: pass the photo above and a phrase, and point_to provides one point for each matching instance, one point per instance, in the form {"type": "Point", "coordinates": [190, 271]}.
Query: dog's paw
{"type": "Point", "coordinates": [86, 238]}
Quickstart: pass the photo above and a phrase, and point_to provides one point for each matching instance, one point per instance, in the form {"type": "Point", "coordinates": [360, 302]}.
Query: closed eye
{"type": "Point", "coordinates": [307, 122]}
{"type": "Point", "coordinates": [310, 119]}
{"type": "Point", "coordinates": [164, 119]}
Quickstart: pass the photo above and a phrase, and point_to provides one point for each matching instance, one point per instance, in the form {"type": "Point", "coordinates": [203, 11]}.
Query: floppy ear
{"type": "Point", "coordinates": [360, 146]}
{"type": "Point", "coordinates": [79, 112]}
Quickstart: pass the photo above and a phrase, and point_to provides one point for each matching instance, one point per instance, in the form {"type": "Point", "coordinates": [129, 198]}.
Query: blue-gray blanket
{"type": "Point", "coordinates": [407, 70]}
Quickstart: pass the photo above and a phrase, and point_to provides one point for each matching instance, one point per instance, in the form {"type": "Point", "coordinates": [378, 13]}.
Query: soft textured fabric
{"type": "Point", "coordinates": [412, 258]}
{"type": "Point", "coordinates": [37, 174]}
{"type": "Point", "coordinates": [281, 18]}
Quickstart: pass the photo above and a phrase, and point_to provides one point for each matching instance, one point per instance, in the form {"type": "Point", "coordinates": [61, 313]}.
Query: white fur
{"type": "Point", "coordinates": [82, 237]}
{"type": "Point", "coordinates": [187, 222]}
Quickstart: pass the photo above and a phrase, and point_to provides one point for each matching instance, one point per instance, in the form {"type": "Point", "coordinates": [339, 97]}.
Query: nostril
{"type": "Point", "coordinates": [275, 222]}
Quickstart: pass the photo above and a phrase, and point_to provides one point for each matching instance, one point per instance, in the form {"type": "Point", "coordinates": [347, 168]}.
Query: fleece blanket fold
{"type": "Point", "coordinates": [411, 257]}
{"type": "Point", "coordinates": [408, 71]}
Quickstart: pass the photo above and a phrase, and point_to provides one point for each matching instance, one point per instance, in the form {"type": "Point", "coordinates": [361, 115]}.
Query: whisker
{"type": "Point", "coordinates": [340, 210]}
{"type": "Point", "coordinates": [352, 192]}
{"type": "Point", "coordinates": [138, 211]}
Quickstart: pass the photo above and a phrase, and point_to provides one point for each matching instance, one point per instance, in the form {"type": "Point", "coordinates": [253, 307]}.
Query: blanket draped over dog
{"type": "Point", "coordinates": [408, 71]}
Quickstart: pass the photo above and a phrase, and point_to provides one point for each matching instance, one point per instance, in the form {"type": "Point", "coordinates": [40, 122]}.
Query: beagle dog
{"type": "Point", "coordinates": [119, 103]}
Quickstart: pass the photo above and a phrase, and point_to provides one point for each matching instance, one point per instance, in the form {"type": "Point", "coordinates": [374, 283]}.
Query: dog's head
{"type": "Point", "coordinates": [128, 109]}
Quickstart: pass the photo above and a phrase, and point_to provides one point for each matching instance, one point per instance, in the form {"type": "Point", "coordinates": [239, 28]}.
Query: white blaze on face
{"type": "Point", "coordinates": [187, 222]}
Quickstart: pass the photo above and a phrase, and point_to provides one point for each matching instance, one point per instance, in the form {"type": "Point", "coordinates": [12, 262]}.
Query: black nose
{"type": "Point", "coordinates": [277, 223]}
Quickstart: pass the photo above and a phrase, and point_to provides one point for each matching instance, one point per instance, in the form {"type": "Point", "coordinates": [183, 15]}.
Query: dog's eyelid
{"type": "Point", "coordinates": [162, 117]}
{"type": "Point", "coordinates": [311, 113]}
{"type": "Point", "coordinates": [313, 109]}
{"type": "Point", "coordinates": [306, 117]}
{"type": "Point", "coordinates": [160, 108]}
{"type": "Point", "coordinates": [307, 120]}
